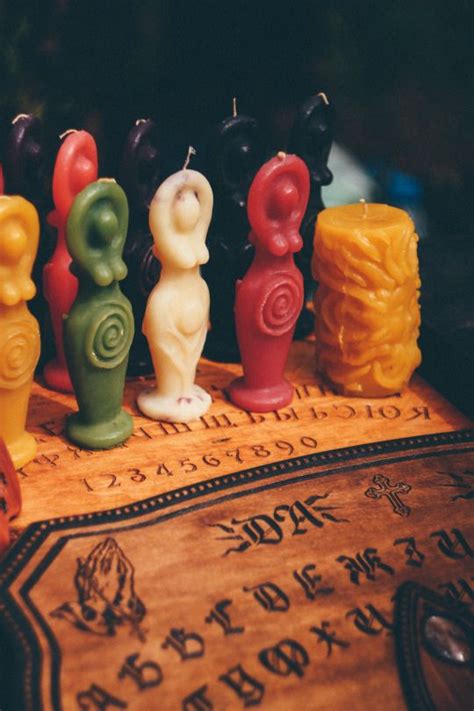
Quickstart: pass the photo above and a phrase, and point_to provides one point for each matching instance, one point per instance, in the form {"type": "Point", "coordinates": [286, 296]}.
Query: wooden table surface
{"type": "Point", "coordinates": [239, 560]}
{"type": "Point", "coordinates": [65, 480]}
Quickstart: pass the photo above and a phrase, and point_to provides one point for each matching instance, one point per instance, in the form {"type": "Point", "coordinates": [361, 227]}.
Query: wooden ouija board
{"type": "Point", "coordinates": [243, 560]}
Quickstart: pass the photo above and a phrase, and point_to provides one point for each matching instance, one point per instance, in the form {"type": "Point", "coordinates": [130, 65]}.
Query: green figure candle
{"type": "Point", "coordinates": [99, 329]}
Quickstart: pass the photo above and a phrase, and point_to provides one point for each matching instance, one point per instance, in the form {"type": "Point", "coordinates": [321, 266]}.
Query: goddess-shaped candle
{"type": "Point", "coordinates": [367, 310]}
{"type": "Point", "coordinates": [98, 329]}
{"type": "Point", "coordinates": [177, 311]}
{"type": "Point", "coordinates": [234, 153]}
{"type": "Point", "coordinates": [75, 167]}
{"type": "Point", "coordinates": [269, 298]}
{"type": "Point", "coordinates": [19, 331]}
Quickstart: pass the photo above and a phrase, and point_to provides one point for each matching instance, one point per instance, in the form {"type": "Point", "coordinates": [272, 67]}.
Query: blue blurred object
{"type": "Point", "coordinates": [351, 181]}
{"type": "Point", "coordinates": [406, 191]}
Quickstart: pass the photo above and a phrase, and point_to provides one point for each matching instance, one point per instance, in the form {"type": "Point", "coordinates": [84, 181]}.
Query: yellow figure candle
{"type": "Point", "coordinates": [19, 332]}
{"type": "Point", "coordinates": [367, 311]}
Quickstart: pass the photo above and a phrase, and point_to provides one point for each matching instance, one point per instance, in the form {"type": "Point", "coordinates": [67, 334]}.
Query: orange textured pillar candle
{"type": "Point", "coordinates": [367, 311]}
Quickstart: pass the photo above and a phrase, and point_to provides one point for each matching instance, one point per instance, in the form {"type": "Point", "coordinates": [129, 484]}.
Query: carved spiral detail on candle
{"type": "Point", "coordinates": [19, 353]}
{"type": "Point", "coordinates": [281, 304]}
{"type": "Point", "coordinates": [367, 311]}
{"type": "Point", "coordinates": [109, 335]}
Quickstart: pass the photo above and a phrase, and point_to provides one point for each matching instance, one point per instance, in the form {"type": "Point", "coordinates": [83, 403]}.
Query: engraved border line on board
{"type": "Point", "coordinates": [20, 548]}
{"type": "Point", "coordinates": [40, 530]}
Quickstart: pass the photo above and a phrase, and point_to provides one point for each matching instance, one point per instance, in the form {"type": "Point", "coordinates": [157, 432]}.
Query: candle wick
{"type": "Point", "coordinates": [364, 207]}
{"type": "Point", "coordinates": [324, 97]}
{"type": "Point", "coordinates": [234, 106]}
{"type": "Point", "coordinates": [140, 121]}
{"type": "Point", "coordinates": [20, 116]}
{"type": "Point", "coordinates": [66, 133]}
{"type": "Point", "coordinates": [191, 152]}
{"type": "Point", "coordinates": [281, 155]}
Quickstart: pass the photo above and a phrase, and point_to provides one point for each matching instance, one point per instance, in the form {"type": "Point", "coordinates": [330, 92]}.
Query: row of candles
{"type": "Point", "coordinates": [235, 148]}
{"type": "Point", "coordinates": [367, 314]}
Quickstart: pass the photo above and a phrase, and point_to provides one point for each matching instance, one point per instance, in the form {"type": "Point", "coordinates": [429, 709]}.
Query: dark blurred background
{"type": "Point", "coordinates": [400, 75]}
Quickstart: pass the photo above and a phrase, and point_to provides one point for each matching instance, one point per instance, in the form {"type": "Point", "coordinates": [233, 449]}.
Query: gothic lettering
{"type": "Point", "coordinates": [371, 624]}
{"type": "Point", "coordinates": [189, 645]}
{"type": "Point", "coordinates": [197, 701]}
{"type": "Point", "coordinates": [329, 638]}
{"type": "Point", "coordinates": [415, 557]}
{"type": "Point", "coordinates": [264, 529]}
{"type": "Point", "coordinates": [145, 675]}
{"type": "Point", "coordinates": [249, 690]}
{"type": "Point", "coordinates": [303, 512]}
{"type": "Point", "coordinates": [455, 547]}
{"type": "Point", "coordinates": [285, 658]}
{"type": "Point", "coordinates": [458, 592]}
{"type": "Point", "coordinates": [220, 615]}
{"type": "Point", "coordinates": [309, 582]}
{"type": "Point", "coordinates": [256, 530]}
{"type": "Point", "coordinates": [365, 563]}
{"type": "Point", "coordinates": [270, 597]}
{"type": "Point", "coordinates": [97, 698]}
{"type": "Point", "coordinates": [464, 480]}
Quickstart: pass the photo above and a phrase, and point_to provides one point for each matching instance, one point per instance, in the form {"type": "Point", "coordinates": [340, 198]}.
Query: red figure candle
{"type": "Point", "coordinates": [270, 296]}
{"type": "Point", "coordinates": [76, 166]}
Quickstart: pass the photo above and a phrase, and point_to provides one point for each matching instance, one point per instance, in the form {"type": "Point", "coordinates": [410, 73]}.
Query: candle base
{"type": "Point", "coordinates": [99, 435]}
{"type": "Point", "coordinates": [366, 391]}
{"type": "Point", "coordinates": [184, 408]}
{"type": "Point", "coordinates": [56, 377]}
{"type": "Point", "coordinates": [260, 399]}
{"type": "Point", "coordinates": [369, 385]}
{"type": "Point", "coordinates": [22, 450]}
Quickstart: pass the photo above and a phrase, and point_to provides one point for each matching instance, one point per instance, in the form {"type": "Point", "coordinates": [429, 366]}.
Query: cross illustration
{"type": "Point", "coordinates": [391, 491]}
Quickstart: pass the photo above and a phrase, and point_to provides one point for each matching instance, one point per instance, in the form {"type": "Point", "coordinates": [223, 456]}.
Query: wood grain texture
{"type": "Point", "coordinates": [65, 480]}
{"type": "Point", "coordinates": [271, 589]}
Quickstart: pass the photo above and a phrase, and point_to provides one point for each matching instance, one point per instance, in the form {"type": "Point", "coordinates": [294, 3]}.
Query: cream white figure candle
{"type": "Point", "coordinates": [177, 311]}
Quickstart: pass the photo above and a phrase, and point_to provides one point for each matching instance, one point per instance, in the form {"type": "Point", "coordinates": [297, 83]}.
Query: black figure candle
{"type": "Point", "coordinates": [311, 139]}
{"type": "Point", "coordinates": [25, 174]}
{"type": "Point", "coordinates": [139, 178]}
{"type": "Point", "coordinates": [24, 158]}
{"type": "Point", "coordinates": [234, 154]}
